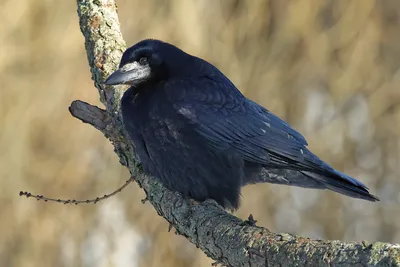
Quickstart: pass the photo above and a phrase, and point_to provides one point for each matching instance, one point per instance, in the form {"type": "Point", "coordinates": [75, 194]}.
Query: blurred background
{"type": "Point", "coordinates": [330, 68]}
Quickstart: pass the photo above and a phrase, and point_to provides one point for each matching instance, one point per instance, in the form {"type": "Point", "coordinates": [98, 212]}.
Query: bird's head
{"type": "Point", "coordinates": [149, 61]}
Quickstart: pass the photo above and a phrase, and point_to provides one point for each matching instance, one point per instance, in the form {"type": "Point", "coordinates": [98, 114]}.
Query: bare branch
{"type": "Point", "coordinates": [74, 201]}
{"type": "Point", "coordinates": [222, 236]}
{"type": "Point", "coordinates": [87, 113]}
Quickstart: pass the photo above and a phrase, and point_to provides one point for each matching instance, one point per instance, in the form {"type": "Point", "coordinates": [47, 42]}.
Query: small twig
{"type": "Point", "coordinates": [73, 201]}
{"type": "Point", "coordinates": [250, 221]}
{"type": "Point", "coordinates": [218, 262]}
{"type": "Point", "coordinates": [253, 252]}
{"type": "Point", "coordinates": [144, 200]}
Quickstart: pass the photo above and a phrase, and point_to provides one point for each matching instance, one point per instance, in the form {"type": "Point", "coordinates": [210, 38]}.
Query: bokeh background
{"type": "Point", "coordinates": [330, 68]}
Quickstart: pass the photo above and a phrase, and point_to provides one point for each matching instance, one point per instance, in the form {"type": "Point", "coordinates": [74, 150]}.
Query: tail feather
{"type": "Point", "coordinates": [343, 184]}
{"type": "Point", "coordinates": [331, 179]}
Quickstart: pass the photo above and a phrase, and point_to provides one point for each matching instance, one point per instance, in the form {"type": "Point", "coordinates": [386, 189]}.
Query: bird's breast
{"type": "Point", "coordinates": [153, 118]}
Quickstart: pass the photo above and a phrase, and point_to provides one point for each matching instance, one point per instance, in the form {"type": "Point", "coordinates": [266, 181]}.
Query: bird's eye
{"type": "Point", "coordinates": [143, 61]}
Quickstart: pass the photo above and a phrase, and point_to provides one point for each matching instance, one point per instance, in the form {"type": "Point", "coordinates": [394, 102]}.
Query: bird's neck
{"type": "Point", "coordinates": [141, 89]}
{"type": "Point", "coordinates": [137, 95]}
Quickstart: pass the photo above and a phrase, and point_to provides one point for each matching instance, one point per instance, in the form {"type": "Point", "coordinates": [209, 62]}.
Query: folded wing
{"type": "Point", "coordinates": [224, 117]}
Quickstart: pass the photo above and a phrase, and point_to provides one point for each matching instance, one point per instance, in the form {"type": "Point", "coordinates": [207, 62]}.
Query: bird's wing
{"type": "Point", "coordinates": [222, 115]}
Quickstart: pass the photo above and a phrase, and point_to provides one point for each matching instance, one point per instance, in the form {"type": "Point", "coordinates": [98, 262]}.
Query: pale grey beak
{"type": "Point", "coordinates": [130, 73]}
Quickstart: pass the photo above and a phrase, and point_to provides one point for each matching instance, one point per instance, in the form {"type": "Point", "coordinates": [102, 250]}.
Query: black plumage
{"type": "Point", "coordinates": [195, 131]}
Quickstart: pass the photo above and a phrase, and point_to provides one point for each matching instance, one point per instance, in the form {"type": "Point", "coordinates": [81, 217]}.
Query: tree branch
{"type": "Point", "coordinates": [222, 236]}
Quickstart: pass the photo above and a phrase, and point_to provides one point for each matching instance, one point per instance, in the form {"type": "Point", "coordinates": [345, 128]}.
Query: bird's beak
{"type": "Point", "coordinates": [131, 73]}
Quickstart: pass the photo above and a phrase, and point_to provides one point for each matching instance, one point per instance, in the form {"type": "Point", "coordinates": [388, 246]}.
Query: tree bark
{"type": "Point", "coordinates": [222, 236]}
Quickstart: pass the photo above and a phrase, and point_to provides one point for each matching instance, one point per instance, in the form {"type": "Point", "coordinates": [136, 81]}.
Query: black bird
{"type": "Point", "coordinates": [195, 131]}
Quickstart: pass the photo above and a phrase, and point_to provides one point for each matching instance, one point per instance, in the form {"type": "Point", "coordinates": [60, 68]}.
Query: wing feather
{"type": "Point", "coordinates": [223, 116]}
{"type": "Point", "coordinates": [226, 119]}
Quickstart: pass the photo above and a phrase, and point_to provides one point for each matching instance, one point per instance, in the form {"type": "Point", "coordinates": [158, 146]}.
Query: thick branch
{"type": "Point", "coordinates": [104, 44]}
{"type": "Point", "coordinates": [220, 235]}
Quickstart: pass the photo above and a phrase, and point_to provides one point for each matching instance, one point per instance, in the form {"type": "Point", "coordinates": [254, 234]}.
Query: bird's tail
{"type": "Point", "coordinates": [343, 184]}
{"type": "Point", "coordinates": [330, 179]}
